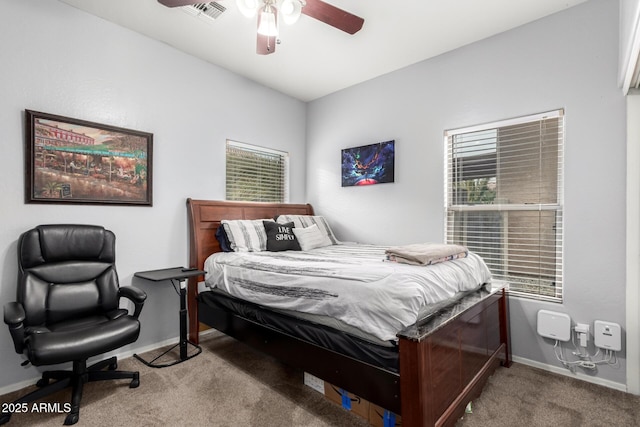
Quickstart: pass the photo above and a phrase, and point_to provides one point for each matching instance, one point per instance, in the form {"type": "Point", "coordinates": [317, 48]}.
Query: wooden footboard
{"type": "Point", "coordinates": [444, 363]}
{"type": "Point", "coordinates": [442, 369]}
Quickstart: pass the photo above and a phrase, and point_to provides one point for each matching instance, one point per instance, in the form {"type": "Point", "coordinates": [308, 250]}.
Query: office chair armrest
{"type": "Point", "coordinates": [136, 295]}
{"type": "Point", "coordinates": [14, 313]}
{"type": "Point", "coordinates": [14, 316]}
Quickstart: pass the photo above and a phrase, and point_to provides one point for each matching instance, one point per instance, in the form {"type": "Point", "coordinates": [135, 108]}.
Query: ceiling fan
{"type": "Point", "coordinates": [290, 11]}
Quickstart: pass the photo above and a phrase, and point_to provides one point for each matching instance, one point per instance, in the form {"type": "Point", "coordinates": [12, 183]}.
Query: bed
{"type": "Point", "coordinates": [436, 367]}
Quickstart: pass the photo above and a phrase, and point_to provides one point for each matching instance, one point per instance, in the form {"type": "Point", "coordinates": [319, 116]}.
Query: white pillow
{"type": "Point", "coordinates": [246, 235]}
{"type": "Point", "coordinates": [311, 238]}
{"type": "Point", "coordinates": [302, 221]}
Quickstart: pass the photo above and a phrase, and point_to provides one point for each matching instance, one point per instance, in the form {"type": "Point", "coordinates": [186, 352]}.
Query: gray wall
{"type": "Point", "coordinates": [568, 60]}
{"type": "Point", "coordinates": [59, 60]}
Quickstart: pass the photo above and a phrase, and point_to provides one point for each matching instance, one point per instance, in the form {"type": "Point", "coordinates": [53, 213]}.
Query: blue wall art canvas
{"type": "Point", "coordinates": [368, 164]}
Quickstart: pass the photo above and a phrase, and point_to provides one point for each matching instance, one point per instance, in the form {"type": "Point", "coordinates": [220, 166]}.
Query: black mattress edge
{"type": "Point", "coordinates": [324, 336]}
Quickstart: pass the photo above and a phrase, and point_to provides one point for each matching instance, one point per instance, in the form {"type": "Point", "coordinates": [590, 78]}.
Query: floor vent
{"type": "Point", "coordinates": [207, 11]}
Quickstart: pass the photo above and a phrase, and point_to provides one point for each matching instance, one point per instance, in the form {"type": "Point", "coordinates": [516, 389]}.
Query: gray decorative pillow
{"type": "Point", "coordinates": [245, 235]}
{"type": "Point", "coordinates": [304, 221]}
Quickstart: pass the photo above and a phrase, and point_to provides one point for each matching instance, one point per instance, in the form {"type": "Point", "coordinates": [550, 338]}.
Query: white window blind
{"type": "Point", "coordinates": [256, 174]}
{"type": "Point", "coordinates": [504, 199]}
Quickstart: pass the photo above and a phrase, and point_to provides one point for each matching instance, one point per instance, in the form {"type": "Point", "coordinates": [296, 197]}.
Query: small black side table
{"type": "Point", "coordinates": [175, 274]}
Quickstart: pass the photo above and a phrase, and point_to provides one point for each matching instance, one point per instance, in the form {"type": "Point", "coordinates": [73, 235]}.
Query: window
{"type": "Point", "coordinates": [256, 174]}
{"type": "Point", "coordinates": [504, 199]}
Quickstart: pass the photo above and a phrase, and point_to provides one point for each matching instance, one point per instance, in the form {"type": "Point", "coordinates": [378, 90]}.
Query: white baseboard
{"type": "Point", "coordinates": [120, 355]}
{"type": "Point", "coordinates": [568, 373]}
{"type": "Point", "coordinates": [17, 386]}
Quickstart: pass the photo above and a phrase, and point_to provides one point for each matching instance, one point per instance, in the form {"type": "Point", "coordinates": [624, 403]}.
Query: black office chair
{"type": "Point", "coordinates": [67, 308]}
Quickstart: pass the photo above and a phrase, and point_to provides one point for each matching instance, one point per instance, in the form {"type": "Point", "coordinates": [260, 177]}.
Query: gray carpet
{"type": "Point", "coordinates": [231, 385]}
{"type": "Point", "coordinates": [526, 396]}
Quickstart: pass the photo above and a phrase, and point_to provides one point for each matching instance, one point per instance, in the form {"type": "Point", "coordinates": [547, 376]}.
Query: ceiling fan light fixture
{"type": "Point", "coordinates": [248, 8]}
{"type": "Point", "coordinates": [267, 24]}
{"type": "Point", "coordinates": [290, 11]}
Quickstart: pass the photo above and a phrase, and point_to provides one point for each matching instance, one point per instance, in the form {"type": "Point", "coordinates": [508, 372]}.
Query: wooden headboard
{"type": "Point", "coordinates": [204, 219]}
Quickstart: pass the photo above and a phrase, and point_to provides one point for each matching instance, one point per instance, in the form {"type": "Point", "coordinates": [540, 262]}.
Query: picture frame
{"type": "Point", "coordinates": [77, 161]}
{"type": "Point", "coordinates": [368, 164]}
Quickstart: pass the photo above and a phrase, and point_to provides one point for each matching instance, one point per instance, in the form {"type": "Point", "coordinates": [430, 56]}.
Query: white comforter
{"type": "Point", "coordinates": [351, 282]}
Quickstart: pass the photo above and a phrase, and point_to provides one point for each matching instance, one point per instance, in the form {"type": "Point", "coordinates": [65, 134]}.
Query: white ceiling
{"type": "Point", "coordinates": [314, 59]}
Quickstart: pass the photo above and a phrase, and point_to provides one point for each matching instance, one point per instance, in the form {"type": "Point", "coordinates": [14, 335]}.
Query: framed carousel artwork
{"type": "Point", "coordinates": [76, 161]}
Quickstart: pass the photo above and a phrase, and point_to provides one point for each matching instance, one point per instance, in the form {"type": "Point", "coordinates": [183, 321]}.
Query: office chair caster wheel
{"type": "Point", "coordinates": [71, 419]}
{"type": "Point", "coordinates": [135, 382]}
{"type": "Point", "coordinates": [4, 418]}
{"type": "Point", "coordinates": [113, 366]}
{"type": "Point", "coordinates": [42, 382]}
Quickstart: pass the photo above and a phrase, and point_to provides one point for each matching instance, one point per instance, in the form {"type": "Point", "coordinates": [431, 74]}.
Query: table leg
{"type": "Point", "coordinates": [183, 321]}
{"type": "Point", "coordinates": [183, 344]}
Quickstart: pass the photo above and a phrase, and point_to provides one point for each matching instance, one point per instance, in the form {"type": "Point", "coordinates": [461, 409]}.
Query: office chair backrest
{"type": "Point", "coordinates": [66, 272]}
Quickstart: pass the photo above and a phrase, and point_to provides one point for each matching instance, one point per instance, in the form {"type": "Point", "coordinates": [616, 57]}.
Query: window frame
{"type": "Point", "coordinates": [256, 150]}
{"type": "Point", "coordinates": [552, 293]}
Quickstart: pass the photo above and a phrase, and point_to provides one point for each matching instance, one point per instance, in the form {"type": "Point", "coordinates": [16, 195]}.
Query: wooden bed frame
{"type": "Point", "coordinates": [442, 368]}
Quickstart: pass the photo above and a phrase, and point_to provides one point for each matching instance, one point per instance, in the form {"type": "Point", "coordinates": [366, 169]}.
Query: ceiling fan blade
{"type": "Point", "coordinates": [265, 45]}
{"type": "Point", "coordinates": [333, 16]}
{"type": "Point", "coordinates": [177, 3]}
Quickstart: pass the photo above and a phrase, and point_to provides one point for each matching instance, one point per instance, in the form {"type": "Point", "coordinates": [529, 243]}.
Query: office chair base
{"type": "Point", "coordinates": [76, 379]}
{"type": "Point", "coordinates": [71, 419]}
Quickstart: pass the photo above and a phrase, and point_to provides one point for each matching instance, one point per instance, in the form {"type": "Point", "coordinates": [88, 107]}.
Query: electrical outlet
{"type": "Point", "coordinates": [314, 382]}
{"type": "Point", "coordinates": [582, 329]}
